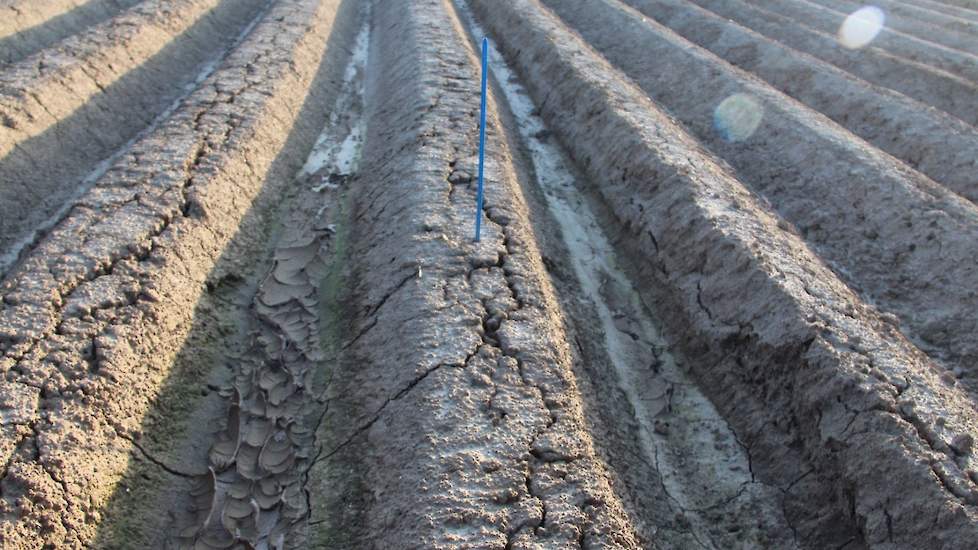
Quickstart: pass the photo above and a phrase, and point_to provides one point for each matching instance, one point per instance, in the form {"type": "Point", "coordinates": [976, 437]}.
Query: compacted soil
{"type": "Point", "coordinates": [723, 297]}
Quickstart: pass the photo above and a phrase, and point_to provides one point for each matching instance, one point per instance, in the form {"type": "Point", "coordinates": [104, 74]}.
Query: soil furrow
{"type": "Point", "coordinates": [93, 325]}
{"type": "Point", "coordinates": [90, 94]}
{"type": "Point", "coordinates": [922, 23]}
{"type": "Point", "coordinates": [29, 26]}
{"type": "Point", "coordinates": [257, 463]}
{"type": "Point", "coordinates": [688, 480]}
{"type": "Point", "coordinates": [893, 235]}
{"type": "Point", "coordinates": [939, 146]}
{"type": "Point", "coordinates": [723, 295]}
{"type": "Point", "coordinates": [944, 90]}
{"type": "Point", "coordinates": [24, 14]}
{"type": "Point", "coordinates": [40, 229]}
{"type": "Point", "coordinates": [928, 52]}
{"type": "Point", "coordinates": [466, 422]}
{"type": "Point", "coordinates": [262, 459]}
{"type": "Point", "coordinates": [959, 19]}
{"type": "Point", "coordinates": [831, 400]}
{"type": "Point", "coordinates": [964, 4]}
{"type": "Point", "coordinates": [969, 11]}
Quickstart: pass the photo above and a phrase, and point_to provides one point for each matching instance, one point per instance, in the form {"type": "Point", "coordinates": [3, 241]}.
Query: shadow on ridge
{"type": "Point", "coordinates": [179, 427]}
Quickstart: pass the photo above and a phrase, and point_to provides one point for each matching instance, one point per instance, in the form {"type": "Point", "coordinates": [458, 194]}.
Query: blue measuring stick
{"type": "Point", "coordinates": [482, 137]}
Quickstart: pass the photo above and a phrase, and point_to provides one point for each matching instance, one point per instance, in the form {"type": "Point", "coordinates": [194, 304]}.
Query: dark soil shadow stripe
{"type": "Point", "coordinates": [137, 512]}
{"type": "Point", "coordinates": [44, 171]}
{"type": "Point", "coordinates": [26, 41]}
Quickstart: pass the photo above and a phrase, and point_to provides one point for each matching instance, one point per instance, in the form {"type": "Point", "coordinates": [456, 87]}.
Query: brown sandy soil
{"type": "Point", "coordinates": [723, 297]}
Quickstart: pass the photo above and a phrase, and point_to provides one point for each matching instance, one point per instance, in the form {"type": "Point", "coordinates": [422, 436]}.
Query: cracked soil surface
{"type": "Point", "coordinates": [723, 295]}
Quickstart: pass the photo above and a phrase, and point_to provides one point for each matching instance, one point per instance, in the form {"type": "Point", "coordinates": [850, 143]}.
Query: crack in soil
{"type": "Point", "coordinates": [273, 406]}
{"type": "Point", "coordinates": [623, 313]}
{"type": "Point", "coordinates": [133, 212]}
{"type": "Point", "coordinates": [149, 456]}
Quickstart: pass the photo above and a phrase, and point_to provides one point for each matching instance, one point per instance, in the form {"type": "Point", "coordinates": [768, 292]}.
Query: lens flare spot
{"type": "Point", "coordinates": [737, 117]}
{"type": "Point", "coordinates": [861, 27]}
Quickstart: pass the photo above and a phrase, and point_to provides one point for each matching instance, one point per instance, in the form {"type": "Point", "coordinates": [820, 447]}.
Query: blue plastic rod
{"type": "Point", "coordinates": [482, 137]}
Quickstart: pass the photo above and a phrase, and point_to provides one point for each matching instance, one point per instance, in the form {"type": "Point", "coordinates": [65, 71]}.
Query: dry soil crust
{"type": "Point", "coordinates": [77, 102]}
{"type": "Point", "coordinates": [927, 52]}
{"type": "Point", "coordinates": [472, 420]}
{"type": "Point", "coordinates": [453, 416]}
{"type": "Point", "coordinates": [93, 317]}
{"type": "Point", "coordinates": [893, 235]}
{"type": "Point", "coordinates": [928, 140]}
{"type": "Point", "coordinates": [831, 399]}
{"type": "Point", "coordinates": [28, 26]}
{"type": "Point", "coordinates": [942, 89]}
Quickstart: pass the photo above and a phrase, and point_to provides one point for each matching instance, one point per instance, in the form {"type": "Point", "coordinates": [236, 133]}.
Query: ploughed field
{"type": "Point", "coordinates": [724, 297]}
